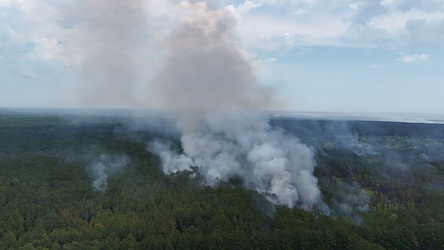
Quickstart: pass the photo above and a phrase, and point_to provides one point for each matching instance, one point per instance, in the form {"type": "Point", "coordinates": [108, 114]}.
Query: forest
{"type": "Point", "coordinates": [88, 182]}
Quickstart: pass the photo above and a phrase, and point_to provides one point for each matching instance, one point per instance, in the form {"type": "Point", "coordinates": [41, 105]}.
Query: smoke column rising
{"type": "Point", "coordinates": [207, 80]}
{"type": "Point", "coordinates": [110, 33]}
{"type": "Point", "coordinates": [104, 166]}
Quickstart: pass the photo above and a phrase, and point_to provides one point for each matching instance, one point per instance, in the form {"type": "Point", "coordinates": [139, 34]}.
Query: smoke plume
{"type": "Point", "coordinates": [205, 70]}
{"type": "Point", "coordinates": [104, 166]}
{"type": "Point", "coordinates": [111, 37]}
{"type": "Point", "coordinates": [208, 81]}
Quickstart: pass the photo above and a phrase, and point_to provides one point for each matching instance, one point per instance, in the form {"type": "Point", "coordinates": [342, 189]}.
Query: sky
{"type": "Point", "coordinates": [374, 56]}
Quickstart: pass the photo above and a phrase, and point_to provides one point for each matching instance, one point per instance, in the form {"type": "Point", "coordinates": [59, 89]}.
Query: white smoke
{"type": "Point", "coordinates": [209, 82]}
{"type": "Point", "coordinates": [171, 161]}
{"type": "Point", "coordinates": [105, 166]}
{"type": "Point", "coordinates": [226, 145]}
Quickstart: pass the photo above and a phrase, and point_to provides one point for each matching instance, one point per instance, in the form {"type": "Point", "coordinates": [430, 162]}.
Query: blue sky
{"type": "Point", "coordinates": [327, 56]}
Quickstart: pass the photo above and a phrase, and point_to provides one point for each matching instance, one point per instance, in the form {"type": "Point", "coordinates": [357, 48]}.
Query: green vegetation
{"type": "Point", "coordinates": [391, 199]}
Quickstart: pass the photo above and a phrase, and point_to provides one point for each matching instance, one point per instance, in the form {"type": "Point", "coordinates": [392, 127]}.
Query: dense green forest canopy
{"type": "Point", "coordinates": [382, 183]}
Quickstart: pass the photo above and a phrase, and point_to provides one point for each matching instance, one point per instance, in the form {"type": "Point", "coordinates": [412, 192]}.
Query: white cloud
{"type": "Point", "coordinates": [5, 3]}
{"type": "Point", "coordinates": [262, 24]}
{"type": "Point", "coordinates": [291, 3]}
{"type": "Point", "coordinates": [426, 31]}
{"type": "Point", "coordinates": [287, 30]}
{"type": "Point", "coordinates": [243, 8]}
{"type": "Point", "coordinates": [343, 23]}
{"type": "Point", "coordinates": [354, 6]}
{"type": "Point", "coordinates": [391, 5]}
{"type": "Point", "coordinates": [27, 26]}
{"type": "Point", "coordinates": [397, 21]}
{"type": "Point", "coordinates": [27, 73]}
{"type": "Point", "coordinates": [413, 58]}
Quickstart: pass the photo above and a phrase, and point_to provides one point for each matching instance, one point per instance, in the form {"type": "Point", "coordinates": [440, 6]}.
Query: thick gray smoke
{"type": "Point", "coordinates": [105, 166]}
{"type": "Point", "coordinates": [208, 81]}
